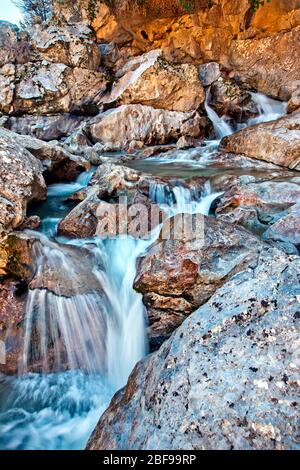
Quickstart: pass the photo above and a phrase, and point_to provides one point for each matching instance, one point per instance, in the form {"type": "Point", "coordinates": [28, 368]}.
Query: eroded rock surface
{"type": "Point", "coordinates": [178, 274]}
{"type": "Point", "coordinates": [227, 379]}
{"type": "Point", "coordinates": [152, 81]}
{"type": "Point", "coordinates": [119, 127]}
{"type": "Point", "coordinates": [276, 141]}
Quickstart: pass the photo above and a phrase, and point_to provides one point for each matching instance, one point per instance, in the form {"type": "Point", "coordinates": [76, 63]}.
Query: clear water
{"type": "Point", "coordinates": [59, 410]}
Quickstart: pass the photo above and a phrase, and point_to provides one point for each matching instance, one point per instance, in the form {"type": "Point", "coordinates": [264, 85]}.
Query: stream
{"type": "Point", "coordinates": [104, 327]}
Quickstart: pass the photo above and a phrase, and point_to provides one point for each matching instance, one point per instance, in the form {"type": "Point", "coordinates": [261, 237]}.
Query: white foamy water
{"type": "Point", "coordinates": [269, 109]}
{"type": "Point", "coordinates": [221, 127]}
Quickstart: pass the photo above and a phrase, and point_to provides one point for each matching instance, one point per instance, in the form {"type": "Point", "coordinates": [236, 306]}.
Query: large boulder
{"type": "Point", "coordinates": [178, 274]}
{"type": "Point", "coordinates": [119, 127]}
{"type": "Point", "coordinates": [73, 45]}
{"type": "Point", "coordinates": [276, 141]}
{"type": "Point", "coordinates": [152, 81]}
{"type": "Point", "coordinates": [227, 379]}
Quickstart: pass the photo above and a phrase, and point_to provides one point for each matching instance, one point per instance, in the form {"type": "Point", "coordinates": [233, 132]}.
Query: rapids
{"type": "Point", "coordinates": [103, 326]}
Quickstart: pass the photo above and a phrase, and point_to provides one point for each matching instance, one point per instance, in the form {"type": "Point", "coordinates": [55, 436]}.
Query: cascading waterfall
{"type": "Point", "coordinates": [221, 127]}
{"type": "Point", "coordinates": [86, 333]}
{"type": "Point", "coordinates": [269, 109]}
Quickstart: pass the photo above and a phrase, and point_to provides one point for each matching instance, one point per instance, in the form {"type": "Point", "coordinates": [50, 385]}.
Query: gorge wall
{"type": "Point", "coordinates": [228, 32]}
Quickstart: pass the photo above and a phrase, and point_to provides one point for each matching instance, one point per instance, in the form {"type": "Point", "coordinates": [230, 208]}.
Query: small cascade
{"type": "Point", "coordinates": [221, 127]}
{"type": "Point", "coordinates": [181, 199]}
{"type": "Point", "coordinates": [65, 322]}
{"type": "Point", "coordinates": [269, 109]}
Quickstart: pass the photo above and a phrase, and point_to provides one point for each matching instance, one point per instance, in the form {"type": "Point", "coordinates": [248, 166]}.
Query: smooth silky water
{"type": "Point", "coordinates": [104, 328]}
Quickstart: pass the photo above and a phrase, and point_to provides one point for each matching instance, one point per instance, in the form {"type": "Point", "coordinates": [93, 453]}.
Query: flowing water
{"type": "Point", "coordinates": [85, 325]}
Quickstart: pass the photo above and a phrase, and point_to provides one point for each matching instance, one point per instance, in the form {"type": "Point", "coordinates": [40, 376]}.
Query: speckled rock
{"type": "Point", "coordinates": [58, 164]}
{"type": "Point", "coordinates": [21, 182]}
{"type": "Point", "coordinates": [50, 88]}
{"type": "Point", "coordinates": [152, 81]}
{"type": "Point", "coordinates": [178, 274]}
{"type": "Point", "coordinates": [227, 379]}
{"type": "Point", "coordinates": [276, 142]}
{"type": "Point", "coordinates": [71, 44]}
{"type": "Point", "coordinates": [117, 128]}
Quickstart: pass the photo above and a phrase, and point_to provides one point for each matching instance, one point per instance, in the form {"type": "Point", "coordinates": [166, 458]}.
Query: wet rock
{"type": "Point", "coordinates": [189, 270]}
{"type": "Point", "coordinates": [52, 127]}
{"type": "Point", "coordinates": [73, 45]}
{"type": "Point", "coordinates": [276, 142]}
{"type": "Point", "coordinates": [119, 127]}
{"type": "Point", "coordinates": [227, 378]}
{"type": "Point", "coordinates": [152, 81]}
{"type": "Point", "coordinates": [209, 73]}
{"type": "Point", "coordinates": [287, 228]}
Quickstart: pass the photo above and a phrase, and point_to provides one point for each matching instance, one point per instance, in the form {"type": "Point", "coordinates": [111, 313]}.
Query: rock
{"type": "Point", "coordinates": [31, 223]}
{"type": "Point", "coordinates": [12, 309]}
{"type": "Point", "coordinates": [265, 62]}
{"type": "Point", "coordinates": [189, 271]}
{"type": "Point", "coordinates": [227, 98]}
{"type": "Point", "coordinates": [9, 37]}
{"type": "Point", "coordinates": [209, 73]}
{"type": "Point", "coordinates": [187, 142]}
{"type": "Point", "coordinates": [276, 141]}
{"type": "Point", "coordinates": [119, 127]}
{"type": "Point", "coordinates": [227, 379]}
{"type": "Point", "coordinates": [58, 164]}
{"type": "Point", "coordinates": [258, 205]}
{"type": "Point", "coordinates": [158, 83]}
{"type": "Point", "coordinates": [51, 88]}
{"type": "Point", "coordinates": [287, 228]}
{"type": "Point", "coordinates": [21, 183]}
{"type": "Point", "coordinates": [51, 127]}
{"type": "Point", "coordinates": [73, 45]}
{"type": "Point", "coordinates": [7, 87]}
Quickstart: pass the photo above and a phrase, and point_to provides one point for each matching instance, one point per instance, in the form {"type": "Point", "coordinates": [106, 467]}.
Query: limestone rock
{"type": "Point", "coordinates": [57, 162]}
{"type": "Point", "coordinates": [189, 271]}
{"type": "Point", "coordinates": [119, 127]}
{"type": "Point", "coordinates": [276, 142]}
{"type": "Point", "coordinates": [265, 63]}
{"type": "Point", "coordinates": [227, 379]}
{"type": "Point", "coordinates": [152, 81]}
{"type": "Point", "coordinates": [209, 73]}
{"type": "Point", "coordinates": [228, 98]}
{"type": "Point", "coordinates": [71, 44]}
{"type": "Point", "coordinates": [47, 127]}
{"type": "Point", "coordinates": [21, 182]}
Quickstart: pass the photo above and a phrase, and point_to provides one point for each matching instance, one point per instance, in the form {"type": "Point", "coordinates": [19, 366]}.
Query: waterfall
{"type": "Point", "coordinates": [221, 127]}
{"type": "Point", "coordinates": [85, 326]}
{"type": "Point", "coordinates": [66, 315]}
{"type": "Point", "coordinates": [181, 199]}
{"type": "Point", "coordinates": [269, 109]}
